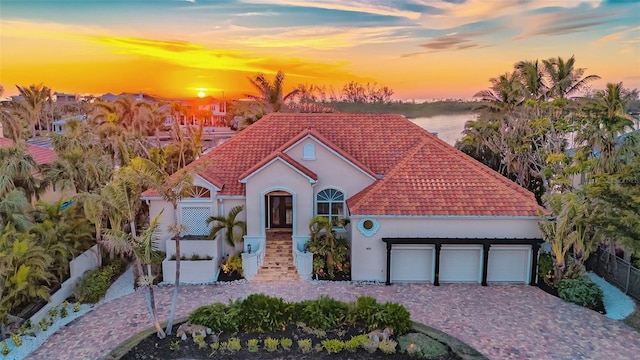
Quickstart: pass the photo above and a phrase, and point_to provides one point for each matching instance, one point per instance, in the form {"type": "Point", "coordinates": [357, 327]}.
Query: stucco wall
{"type": "Point", "coordinates": [278, 176]}
{"type": "Point", "coordinates": [368, 254]}
{"type": "Point", "coordinates": [332, 171]}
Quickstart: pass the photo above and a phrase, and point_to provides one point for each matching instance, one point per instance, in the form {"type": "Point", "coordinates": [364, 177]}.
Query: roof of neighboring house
{"type": "Point", "coordinates": [40, 154]}
{"type": "Point", "coordinates": [420, 175]}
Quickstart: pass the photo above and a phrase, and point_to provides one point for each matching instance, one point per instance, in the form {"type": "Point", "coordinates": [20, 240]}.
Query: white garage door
{"type": "Point", "coordinates": [509, 263]}
{"type": "Point", "coordinates": [460, 263]}
{"type": "Point", "coordinates": [411, 263]}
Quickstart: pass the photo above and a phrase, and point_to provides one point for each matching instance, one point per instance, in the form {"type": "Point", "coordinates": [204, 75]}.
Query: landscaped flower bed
{"type": "Point", "coordinates": [270, 328]}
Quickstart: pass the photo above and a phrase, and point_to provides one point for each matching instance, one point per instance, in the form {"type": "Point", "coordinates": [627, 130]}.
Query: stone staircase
{"type": "Point", "coordinates": [278, 260]}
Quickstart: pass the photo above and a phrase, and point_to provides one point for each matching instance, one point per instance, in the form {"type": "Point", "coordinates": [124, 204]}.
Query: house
{"type": "Point", "coordinates": [419, 209]}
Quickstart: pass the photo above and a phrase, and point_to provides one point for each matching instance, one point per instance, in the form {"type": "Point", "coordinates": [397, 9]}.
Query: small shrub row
{"type": "Point", "coordinates": [262, 313]}
{"type": "Point", "coordinates": [581, 291]}
{"type": "Point", "coordinates": [270, 344]}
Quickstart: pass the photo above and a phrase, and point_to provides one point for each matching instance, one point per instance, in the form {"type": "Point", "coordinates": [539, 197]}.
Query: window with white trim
{"type": "Point", "coordinates": [330, 203]}
{"type": "Point", "coordinates": [197, 192]}
{"type": "Point", "coordinates": [309, 152]}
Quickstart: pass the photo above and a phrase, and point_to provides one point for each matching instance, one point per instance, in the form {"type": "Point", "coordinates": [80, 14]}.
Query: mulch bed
{"type": "Point", "coordinates": [154, 348]}
{"type": "Point", "coordinates": [231, 276]}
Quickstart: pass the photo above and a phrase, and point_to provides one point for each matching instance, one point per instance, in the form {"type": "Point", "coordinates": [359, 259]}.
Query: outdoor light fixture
{"type": "Point", "coordinates": [249, 248]}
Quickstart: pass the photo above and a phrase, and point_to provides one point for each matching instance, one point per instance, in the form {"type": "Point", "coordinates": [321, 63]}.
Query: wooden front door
{"type": "Point", "coordinates": [280, 211]}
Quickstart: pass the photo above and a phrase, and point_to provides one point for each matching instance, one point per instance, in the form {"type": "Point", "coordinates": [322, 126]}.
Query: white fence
{"type": "Point", "coordinates": [88, 260]}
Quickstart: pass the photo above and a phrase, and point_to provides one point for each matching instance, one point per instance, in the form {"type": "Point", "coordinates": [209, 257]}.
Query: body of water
{"type": "Point", "coordinates": [448, 127]}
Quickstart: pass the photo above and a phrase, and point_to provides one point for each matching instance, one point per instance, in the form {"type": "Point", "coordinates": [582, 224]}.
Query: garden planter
{"type": "Point", "coordinates": [191, 271]}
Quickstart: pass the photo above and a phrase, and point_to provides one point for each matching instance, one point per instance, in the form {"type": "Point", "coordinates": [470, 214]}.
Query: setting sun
{"type": "Point", "coordinates": [201, 94]}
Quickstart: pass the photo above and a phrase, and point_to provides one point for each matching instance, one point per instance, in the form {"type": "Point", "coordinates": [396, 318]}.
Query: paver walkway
{"type": "Point", "coordinates": [502, 322]}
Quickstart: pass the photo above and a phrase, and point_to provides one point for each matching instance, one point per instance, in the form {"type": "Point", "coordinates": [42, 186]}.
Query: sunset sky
{"type": "Point", "coordinates": [420, 48]}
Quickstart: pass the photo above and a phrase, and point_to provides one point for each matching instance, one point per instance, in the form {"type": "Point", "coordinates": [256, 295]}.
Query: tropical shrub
{"type": "Point", "coordinates": [581, 291]}
{"type": "Point", "coordinates": [333, 346]}
{"type": "Point", "coordinates": [233, 264]}
{"type": "Point", "coordinates": [545, 268]}
{"type": "Point", "coordinates": [259, 313]}
{"type": "Point", "coordinates": [364, 310]}
{"type": "Point", "coordinates": [271, 344]}
{"type": "Point", "coordinates": [323, 313]}
{"type": "Point", "coordinates": [94, 284]}
{"type": "Point", "coordinates": [305, 345]}
{"type": "Point", "coordinates": [327, 246]}
{"type": "Point", "coordinates": [286, 343]}
{"type": "Point", "coordinates": [218, 316]}
{"type": "Point", "coordinates": [393, 316]}
{"type": "Point", "coordinates": [388, 347]}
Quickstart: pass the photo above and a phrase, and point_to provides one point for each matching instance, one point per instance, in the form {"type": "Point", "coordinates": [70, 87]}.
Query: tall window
{"type": "Point", "coordinates": [330, 203]}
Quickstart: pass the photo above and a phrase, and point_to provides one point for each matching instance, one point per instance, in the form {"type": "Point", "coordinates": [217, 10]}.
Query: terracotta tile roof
{"type": "Point", "coordinates": [421, 174]}
{"type": "Point", "coordinates": [286, 158]}
{"type": "Point", "coordinates": [40, 154]}
{"type": "Point", "coordinates": [436, 179]}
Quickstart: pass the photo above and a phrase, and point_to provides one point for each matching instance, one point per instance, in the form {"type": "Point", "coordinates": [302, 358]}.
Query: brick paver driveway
{"type": "Point", "coordinates": [502, 322]}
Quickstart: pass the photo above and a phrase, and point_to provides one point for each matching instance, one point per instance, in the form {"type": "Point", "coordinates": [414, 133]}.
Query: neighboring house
{"type": "Point", "coordinates": [58, 125]}
{"type": "Point", "coordinates": [41, 155]}
{"type": "Point", "coordinates": [420, 210]}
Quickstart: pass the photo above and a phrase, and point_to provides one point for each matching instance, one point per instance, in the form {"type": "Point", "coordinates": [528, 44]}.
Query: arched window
{"type": "Point", "coordinates": [309, 152]}
{"type": "Point", "coordinates": [197, 192]}
{"type": "Point", "coordinates": [330, 203]}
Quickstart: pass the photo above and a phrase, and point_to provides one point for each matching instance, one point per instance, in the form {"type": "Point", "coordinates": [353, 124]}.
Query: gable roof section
{"type": "Point", "coordinates": [40, 155]}
{"type": "Point", "coordinates": [284, 158]}
{"type": "Point", "coordinates": [311, 133]}
{"type": "Point", "coordinates": [359, 135]}
{"type": "Point", "coordinates": [436, 179]}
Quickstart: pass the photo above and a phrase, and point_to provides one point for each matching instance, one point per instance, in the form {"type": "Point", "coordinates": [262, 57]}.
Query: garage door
{"type": "Point", "coordinates": [460, 263]}
{"type": "Point", "coordinates": [510, 264]}
{"type": "Point", "coordinates": [412, 263]}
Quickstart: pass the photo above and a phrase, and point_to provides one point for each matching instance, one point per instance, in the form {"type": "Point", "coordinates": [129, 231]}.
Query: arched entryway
{"type": "Point", "coordinates": [279, 210]}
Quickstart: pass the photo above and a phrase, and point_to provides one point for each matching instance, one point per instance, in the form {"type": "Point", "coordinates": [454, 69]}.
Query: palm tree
{"type": "Point", "coordinates": [24, 272]}
{"type": "Point", "coordinates": [504, 94]}
{"type": "Point", "coordinates": [564, 78]}
{"type": "Point", "coordinates": [11, 118]}
{"type": "Point", "coordinates": [13, 206]}
{"type": "Point", "coordinates": [324, 242]}
{"type": "Point", "coordinates": [606, 120]}
{"type": "Point", "coordinates": [272, 93]}
{"type": "Point", "coordinates": [143, 250]}
{"type": "Point", "coordinates": [228, 224]}
{"type": "Point", "coordinates": [33, 100]}
{"type": "Point", "coordinates": [17, 170]}
{"type": "Point", "coordinates": [172, 189]}
{"type": "Point", "coordinates": [531, 76]}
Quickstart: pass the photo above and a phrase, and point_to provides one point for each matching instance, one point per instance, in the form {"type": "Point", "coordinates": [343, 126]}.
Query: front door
{"type": "Point", "coordinates": [280, 211]}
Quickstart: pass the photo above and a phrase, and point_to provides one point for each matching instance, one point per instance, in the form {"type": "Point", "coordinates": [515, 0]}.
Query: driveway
{"type": "Point", "coordinates": [501, 321]}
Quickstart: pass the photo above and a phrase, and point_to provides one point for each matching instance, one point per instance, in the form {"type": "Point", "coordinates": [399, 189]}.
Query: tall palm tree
{"type": "Point", "coordinates": [12, 120]}
{"type": "Point", "coordinates": [33, 101]}
{"type": "Point", "coordinates": [565, 79]}
{"type": "Point", "coordinates": [271, 92]}
{"type": "Point", "coordinates": [606, 121]}
{"type": "Point", "coordinates": [172, 189]}
{"type": "Point", "coordinates": [504, 94]}
{"type": "Point", "coordinates": [532, 78]}
{"type": "Point", "coordinates": [18, 170]}
{"type": "Point", "coordinates": [228, 224]}
{"type": "Point", "coordinates": [143, 250]}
